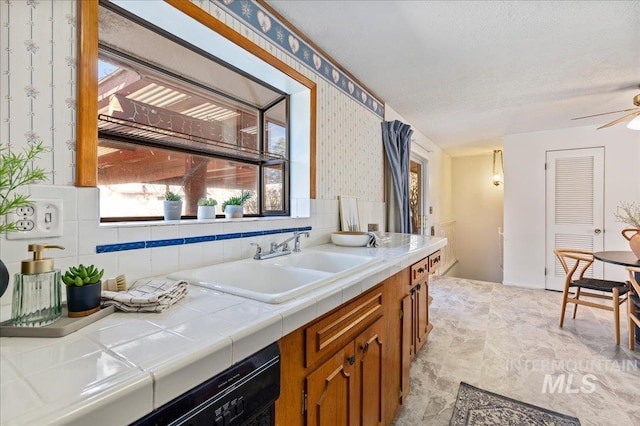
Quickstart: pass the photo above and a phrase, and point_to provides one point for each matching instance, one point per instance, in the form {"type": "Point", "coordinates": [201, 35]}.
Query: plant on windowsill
{"type": "Point", "coordinates": [233, 206]}
{"type": "Point", "coordinates": [629, 214]}
{"type": "Point", "coordinates": [172, 206]}
{"type": "Point", "coordinates": [84, 287]}
{"type": "Point", "coordinates": [16, 170]}
{"type": "Point", "coordinates": [207, 208]}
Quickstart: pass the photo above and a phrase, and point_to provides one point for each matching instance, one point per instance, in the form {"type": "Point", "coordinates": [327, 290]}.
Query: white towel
{"type": "Point", "coordinates": [146, 295]}
{"type": "Point", "coordinates": [373, 240]}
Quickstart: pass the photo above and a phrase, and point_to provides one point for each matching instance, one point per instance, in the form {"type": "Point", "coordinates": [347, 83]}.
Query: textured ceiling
{"type": "Point", "coordinates": [466, 73]}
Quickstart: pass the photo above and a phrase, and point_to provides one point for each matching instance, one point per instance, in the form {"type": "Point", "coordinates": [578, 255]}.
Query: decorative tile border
{"type": "Point", "coordinates": [109, 248]}
{"type": "Point", "coordinates": [254, 15]}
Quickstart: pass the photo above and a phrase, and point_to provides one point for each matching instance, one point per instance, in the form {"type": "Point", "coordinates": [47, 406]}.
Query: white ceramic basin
{"type": "Point", "coordinates": [324, 261]}
{"type": "Point", "coordinates": [278, 279]}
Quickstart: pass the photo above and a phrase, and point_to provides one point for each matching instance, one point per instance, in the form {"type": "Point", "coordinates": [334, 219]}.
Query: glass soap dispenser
{"type": "Point", "coordinates": [36, 290]}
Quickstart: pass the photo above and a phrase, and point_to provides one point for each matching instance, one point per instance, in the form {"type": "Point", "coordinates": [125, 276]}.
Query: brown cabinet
{"type": "Point", "coordinates": [415, 308]}
{"type": "Point", "coordinates": [333, 367]}
{"type": "Point", "coordinates": [346, 389]}
{"type": "Point", "coordinates": [351, 365]}
{"type": "Point", "coordinates": [415, 314]}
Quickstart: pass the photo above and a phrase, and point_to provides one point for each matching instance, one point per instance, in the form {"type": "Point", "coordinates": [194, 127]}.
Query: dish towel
{"type": "Point", "coordinates": [373, 240]}
{"type": "Point", "coordinates": [146, 295]}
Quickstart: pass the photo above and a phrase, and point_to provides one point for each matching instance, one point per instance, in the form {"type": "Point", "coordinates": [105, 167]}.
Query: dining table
{"type": "Point", "coordinates": [622, 258]}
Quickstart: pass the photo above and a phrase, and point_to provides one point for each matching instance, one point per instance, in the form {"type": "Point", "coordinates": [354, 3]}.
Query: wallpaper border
{"type": "Point", "coordinates": [269, 27]}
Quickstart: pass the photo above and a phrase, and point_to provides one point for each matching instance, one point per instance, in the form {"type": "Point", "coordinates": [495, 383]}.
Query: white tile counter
{"type": "Point", "coordinates": [125, 365]}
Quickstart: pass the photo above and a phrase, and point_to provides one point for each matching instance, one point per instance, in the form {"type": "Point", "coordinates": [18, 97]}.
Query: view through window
{"type": "Point", "coordinates": [162, 130]}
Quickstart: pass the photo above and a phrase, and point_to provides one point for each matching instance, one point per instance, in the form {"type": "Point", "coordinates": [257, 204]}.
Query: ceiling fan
{"type": "Point", "coordinates": [634, 114]}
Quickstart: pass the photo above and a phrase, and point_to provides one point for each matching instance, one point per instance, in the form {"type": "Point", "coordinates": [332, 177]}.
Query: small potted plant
{"type": "Point", "coordinates": [84, 287]}
{"type": "Point", "coordinates": [233, 205]}
{"type": "Point", "coordinates": [207, 208]}
{"type": "Point", "coordinates": [172, 206]}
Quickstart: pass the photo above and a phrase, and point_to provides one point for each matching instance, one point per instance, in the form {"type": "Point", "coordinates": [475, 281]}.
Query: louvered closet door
{"type": "Point", "coordinates": [574, 208]}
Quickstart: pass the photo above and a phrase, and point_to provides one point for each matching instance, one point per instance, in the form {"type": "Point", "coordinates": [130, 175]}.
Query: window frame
{"type": "Point", "coordinates": [173, 79]}
{"type": "Point", "coordinates": [87, 72]}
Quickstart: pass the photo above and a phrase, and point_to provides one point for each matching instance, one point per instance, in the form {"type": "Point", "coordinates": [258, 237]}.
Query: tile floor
{"type": "Point", "coordinates": [506, 340]}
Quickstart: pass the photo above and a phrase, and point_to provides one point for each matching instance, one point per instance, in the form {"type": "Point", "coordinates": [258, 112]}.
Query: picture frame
{"type": "Point", "coordinates": [349, 220]}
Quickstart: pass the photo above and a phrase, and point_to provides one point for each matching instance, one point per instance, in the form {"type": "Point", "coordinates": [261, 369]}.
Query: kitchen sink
{"type": "Point", "coordinates": [323, 261]}
{"type": "Point", "coordinates": [279, 279]}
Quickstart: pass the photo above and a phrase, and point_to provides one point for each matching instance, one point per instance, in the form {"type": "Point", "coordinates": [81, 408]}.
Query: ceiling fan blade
{"type": "Point", "coordinates": [621, 119]}
{"type": "Point", "coordinates": [604, 113]}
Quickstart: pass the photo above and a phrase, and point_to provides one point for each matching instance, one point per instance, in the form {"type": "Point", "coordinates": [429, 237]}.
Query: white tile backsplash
{"type": "Point", "coordinates": [135, 263]}
{"type": "Point", "coordinates": [83, 232]}
{"type": "Point", "coordinates": [190, 256]}
{"type": "Point", "coordinates": [88, 203]}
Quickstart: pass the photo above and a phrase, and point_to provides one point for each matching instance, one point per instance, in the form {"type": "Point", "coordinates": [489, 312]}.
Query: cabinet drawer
{"type": "Point", "coordinates": [332, 332]}
{"type": "Point", "coordinates": [419, 271]}
{"type": "Point", "coordinates": [434, 262]}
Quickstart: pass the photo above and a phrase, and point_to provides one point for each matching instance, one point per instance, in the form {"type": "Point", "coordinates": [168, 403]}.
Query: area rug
{"type": "Point", "coordinates": [478, 407]}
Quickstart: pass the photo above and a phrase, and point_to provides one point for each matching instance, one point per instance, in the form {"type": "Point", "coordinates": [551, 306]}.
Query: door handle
{"type": "Point", "coordinates": [597, 231]}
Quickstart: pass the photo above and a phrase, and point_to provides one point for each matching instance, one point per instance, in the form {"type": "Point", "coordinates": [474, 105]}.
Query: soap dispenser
{"type": "Point", "coordinates": [36, 290]}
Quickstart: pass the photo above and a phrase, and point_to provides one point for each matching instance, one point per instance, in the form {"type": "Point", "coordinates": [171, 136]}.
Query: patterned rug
{"type": "Point", "coordinates": [478, 407]}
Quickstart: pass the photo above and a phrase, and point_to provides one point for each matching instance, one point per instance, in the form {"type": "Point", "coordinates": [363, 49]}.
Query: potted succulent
{"type": "Point", "coordinates": [232, 207]}
{"type": "Point", "coordinates": [16, 170]}
{"type": "Point", "coordinates": [172, 206]}
{"type": "Point", "coordinates": [84, 287]}
{"type": "Point", "coordinates": [207, 208]}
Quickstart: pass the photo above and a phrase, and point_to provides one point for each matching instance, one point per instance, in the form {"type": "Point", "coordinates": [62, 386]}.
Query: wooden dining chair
{"type": "Point", "coordinates": [633, 304]}
{"type": "Point", "coordinates": [575, 264]}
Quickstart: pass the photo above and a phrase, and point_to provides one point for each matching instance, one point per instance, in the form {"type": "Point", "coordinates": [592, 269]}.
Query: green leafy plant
{"type": "Point", "coordinates": [172, 196]}
{"type": "Point", "coordinates": [16, 170]}
{"type": "Point", "coordinates": [207, 202]}
{"type": "Point", "coordinates": [81, 275]}
{"type": "Point", "coordinates": [628, 213]}
{"type": "Point", "coordinates": [237, 200]}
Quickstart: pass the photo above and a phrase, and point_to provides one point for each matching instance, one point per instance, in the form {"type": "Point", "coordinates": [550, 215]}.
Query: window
{"type": "Point", "coordinates": [196, 127]}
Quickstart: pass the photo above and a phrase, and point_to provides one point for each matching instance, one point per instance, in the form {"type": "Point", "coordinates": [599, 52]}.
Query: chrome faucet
{"type": "Point", "coordinates": [282, 248]}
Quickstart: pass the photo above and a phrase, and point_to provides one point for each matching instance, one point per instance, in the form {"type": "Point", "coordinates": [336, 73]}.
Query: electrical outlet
{"type": "Point", "coordinates": [43, 219]}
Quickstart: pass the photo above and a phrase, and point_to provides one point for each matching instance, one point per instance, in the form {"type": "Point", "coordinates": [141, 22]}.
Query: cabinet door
{"type": "Point", "coordinates": [331, 390]}
{"type": "Point", "coordinates": [407, 344]}
{"type": "Point", "coordinates": [421, 298]}
{"type": "Point", "coordinates": [370, 374]}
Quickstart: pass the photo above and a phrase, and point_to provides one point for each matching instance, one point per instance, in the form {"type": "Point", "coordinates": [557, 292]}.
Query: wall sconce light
{"type": "Point", "coordinates": [498, 172]}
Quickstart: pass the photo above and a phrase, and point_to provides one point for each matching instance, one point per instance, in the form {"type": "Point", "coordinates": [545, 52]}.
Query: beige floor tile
{"type": "Point", "coordinates": [507, 340]}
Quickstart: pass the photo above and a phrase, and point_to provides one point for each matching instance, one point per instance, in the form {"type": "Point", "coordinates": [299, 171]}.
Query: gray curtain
{"type": "Point", "coordinates": [396, 137]}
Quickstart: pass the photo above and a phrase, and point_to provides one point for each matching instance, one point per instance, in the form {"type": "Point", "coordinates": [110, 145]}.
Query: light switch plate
{"type": "Point", "coordinates": [43, 219]}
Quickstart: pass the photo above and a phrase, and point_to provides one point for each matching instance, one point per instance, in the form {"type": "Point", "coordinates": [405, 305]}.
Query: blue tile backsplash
{"type": "Point", "coordinates": [109, 248]}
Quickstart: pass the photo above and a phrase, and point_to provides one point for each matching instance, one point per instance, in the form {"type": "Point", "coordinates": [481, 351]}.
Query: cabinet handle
{"type": "Point", "coordinates": [365, 347]}
{"type": "Point", "coordinates": [419, 286]}
{"type": "Point", "coordinates": [420, 270]}
{"type": "Point", "coordinates": [351, 359]}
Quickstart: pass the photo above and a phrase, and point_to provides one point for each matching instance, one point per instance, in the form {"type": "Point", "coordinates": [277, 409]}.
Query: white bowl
{"type": "Point", "coordinates": [350, 239]}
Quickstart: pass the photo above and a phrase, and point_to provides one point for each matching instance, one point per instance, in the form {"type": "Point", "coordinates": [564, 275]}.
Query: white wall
{"type": "Point", "coordinates": [478, 210]}
{"type": "Point", "coordinates": [524, 209]}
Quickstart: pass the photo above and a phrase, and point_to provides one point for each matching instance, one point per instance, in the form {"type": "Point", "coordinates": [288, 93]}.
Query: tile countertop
{"type": "Point", "coordinates": [121, 367]}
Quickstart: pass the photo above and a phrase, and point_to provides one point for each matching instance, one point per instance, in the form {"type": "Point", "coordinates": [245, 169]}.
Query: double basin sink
{"type": "Point", "coordinates": [278, 279]}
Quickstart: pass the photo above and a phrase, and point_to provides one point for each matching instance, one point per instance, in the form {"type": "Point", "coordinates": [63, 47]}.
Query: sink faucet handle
{"type": "Point", "coordinates": [258, 250]}
{"type": "Point", "coordinates": [297, 235]}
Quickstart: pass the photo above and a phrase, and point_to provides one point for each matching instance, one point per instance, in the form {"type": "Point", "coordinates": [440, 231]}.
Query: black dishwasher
{"type": "Point", "coordinates": [242, 395]}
